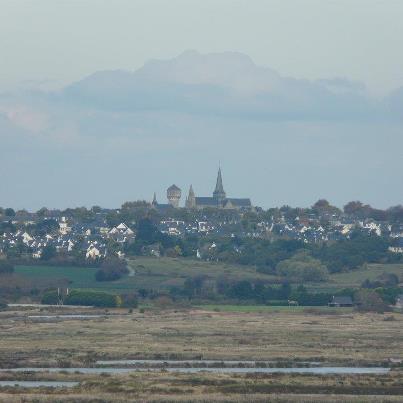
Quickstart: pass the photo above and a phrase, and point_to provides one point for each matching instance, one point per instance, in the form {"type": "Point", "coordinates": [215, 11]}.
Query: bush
{"type": "Point", "coordinates": [94, 298]}
{"type": "Point", "coordinates": [48, 252]}
{"type": "Point", "coordinates": [163, 301]}
{"type": "Point", "coordinates": [352, 253]}
{"type": "Point", "coordinates": [370, 301]}
{"type": "Point", "coordinates": [6, 267]}
{"type": "Point", "coordinates": [242, 290]}
{"type": "Point", "coordinates": [130, 301]}
{"type": "Point", "coordinates": [111, 269]}
{"type": "Point", "coordinates": [384, 280]}
{"type": "Point", "coordinates": [277, 302]}
{"type": "Point", "coordinates": [265, 270]}
{"type": "Point", "coordinates": [3, 304]}
{"type": "Point", "coordinates": [302, 267]}
{"type": "Point", "coordinates": [316, 299]}
{"type": "Point", "coordinates": [389, 294]}
{"type": "Point", "coordinates": [82, 297]}
{"type": "Point", "coordinates": [49, 298]}
{"type": "Point", "coordinates": [107, 275]}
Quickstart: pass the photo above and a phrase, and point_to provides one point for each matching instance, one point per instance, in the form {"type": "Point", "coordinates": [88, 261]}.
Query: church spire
{"type": "Point", "coordinates": [191, 199]}
{"type": "Point", "coordinates": [219, 193]}
{"type": "Point", "coordinates": [191, 191]}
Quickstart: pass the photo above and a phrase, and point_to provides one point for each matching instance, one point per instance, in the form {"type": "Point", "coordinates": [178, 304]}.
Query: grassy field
{"type": "Point", "coordinates": [312, 335]}
{"type": "Point", "coordinates": [159, 274]}
{"type": "Point", "coordinates": [79, 276]}
{"type": "Point", "coordinates": [165, 272]}
{"type": "Point", "coordinates": [356, 277]}
{"type": "Point", "coordinates": [207, 388]}
{"type": "Point", "coordinates": [288, 337]}
{"type": "Point", "coordinates": [285, 335]}
{"type": "Point", "coordinates": [162, 273]}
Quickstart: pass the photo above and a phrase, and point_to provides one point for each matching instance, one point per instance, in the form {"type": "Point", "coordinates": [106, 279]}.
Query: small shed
{"type": "Point", "coordinates": [341, 301]}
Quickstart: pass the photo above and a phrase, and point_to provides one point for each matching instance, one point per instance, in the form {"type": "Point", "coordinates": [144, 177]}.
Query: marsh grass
{"type": "Point", "coordinates": [293, 335]}
{"type": "Point", "coordinates": [168, 387]}
{"type": "Point", "coordinates": [289, 338]}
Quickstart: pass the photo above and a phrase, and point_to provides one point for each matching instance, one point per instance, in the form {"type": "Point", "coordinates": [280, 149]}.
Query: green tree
{"type": "Point", "coordinates": [111, 269]}
{"type": "Point", "coordinates": [46, 227]}
{"type": "Point", "coordinates": [322, 206]}
{"type": "Point", "coordinates": [242, 290]}
{"type": "Point", "coordinates": [42, 212]}
{"type": "Point", "coordinates": [6, 267]}
{"type": "Point", "coordinates": [48, 252]}
{"type": "Point", "coordinates": [9, 212]}
{"type": "Point", "coordinates": [370, 301]}
{"type": "Point", "coordinates": [302, 267]}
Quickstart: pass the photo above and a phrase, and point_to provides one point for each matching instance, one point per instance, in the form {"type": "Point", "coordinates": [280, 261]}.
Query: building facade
{"type": "Point", "coordinates": [218, 200]}
{"type": "Point", "coordinates": [174, 195]}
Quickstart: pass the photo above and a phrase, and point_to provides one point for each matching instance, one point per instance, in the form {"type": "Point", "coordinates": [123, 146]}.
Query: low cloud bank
{"type": "Point", "coordinates": [280, 140]}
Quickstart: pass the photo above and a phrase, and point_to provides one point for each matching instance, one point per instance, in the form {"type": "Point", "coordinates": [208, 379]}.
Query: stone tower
{"type": "Point", "coordinates": [174, 195]}
{"type": "Point", "coordinates": [154, 202]}
{"type": "Point", "coordinates": [191, 199]}
{"type": "Point", "coordinates": [219, 193]}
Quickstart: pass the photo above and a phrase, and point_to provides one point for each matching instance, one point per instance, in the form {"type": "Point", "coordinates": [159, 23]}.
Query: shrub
{"type": "Point", "coordinates": [163, 301]}
{"type": "Point", "coordinates": [388, 294]}
{"type": "Point", "coordinates": [277, 302]}
{"type": "Point", "coordinates": [82, 297]}
{"type": "Point", "coordinates": [370, 301]}
{"type": "Point", "coordinates": [49, 297]}
{"type": "Point", "coordinates": [93, 298]}
{"type": "Point", "coordinates": [6, 267]}
{"type": "Point", "coordinates": [107, 275]}
{"type": "Point", "coordinates": [111, 269]}
{"type": "Point", "coordinates": [48, 252]}
{"type": "Point", "coordinates": [130, 301]}
{"type": "Point", "coordinates": [265, 269]}
{"type": "Point", "coordinates": [3, 304]}
{"type": "Point", "coordinates": [302, 267]}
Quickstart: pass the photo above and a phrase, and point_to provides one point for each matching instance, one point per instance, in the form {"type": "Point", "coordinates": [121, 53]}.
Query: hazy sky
{"type": "Point", "coordinates": [298, 99]}
{"type": "Point", "coordinates": [63, 40]}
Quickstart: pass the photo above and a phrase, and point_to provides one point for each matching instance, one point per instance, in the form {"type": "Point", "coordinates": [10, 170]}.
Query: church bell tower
{"type": "Point", "coordinates": [219, 193]}
{"type": "Point", "coordinates": [191, 199]}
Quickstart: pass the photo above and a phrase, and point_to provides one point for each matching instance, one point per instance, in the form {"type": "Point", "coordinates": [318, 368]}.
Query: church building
{"type": "Point", "coordinates": [219, 199]}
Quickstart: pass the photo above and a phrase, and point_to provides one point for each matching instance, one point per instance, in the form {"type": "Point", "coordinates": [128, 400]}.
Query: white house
{"type": "Point", "coordinates": [64, 228]}
{"type": "Point", "coordinates": [122, 228]}
{"type": "Point", "coordinates": [92, 252]}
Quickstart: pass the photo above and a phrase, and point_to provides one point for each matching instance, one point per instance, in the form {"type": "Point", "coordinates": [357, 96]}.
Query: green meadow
{"type": "Point", "coordinates": [163, 273]}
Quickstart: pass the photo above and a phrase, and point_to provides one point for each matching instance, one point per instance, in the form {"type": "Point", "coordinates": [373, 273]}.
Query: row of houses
{"type": "Point", "coordinates": [68, 239]}
{"type": "Point", "coordinates": [95, 234]}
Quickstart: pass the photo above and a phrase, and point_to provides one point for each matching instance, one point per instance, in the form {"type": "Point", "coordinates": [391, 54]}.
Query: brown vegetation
{"type": "Point", "coordinates": [287, 337]}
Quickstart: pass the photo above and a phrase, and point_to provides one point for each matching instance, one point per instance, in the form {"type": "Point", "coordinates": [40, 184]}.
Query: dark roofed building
{"type": "Point", "coordinates": [219, 199]}
{"type": "Point", "coordinates": [162, 208]}
{"type": "Point", "coordinates": [202, 202]}
{"type": "Point", "coordinates": [342, 301]}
